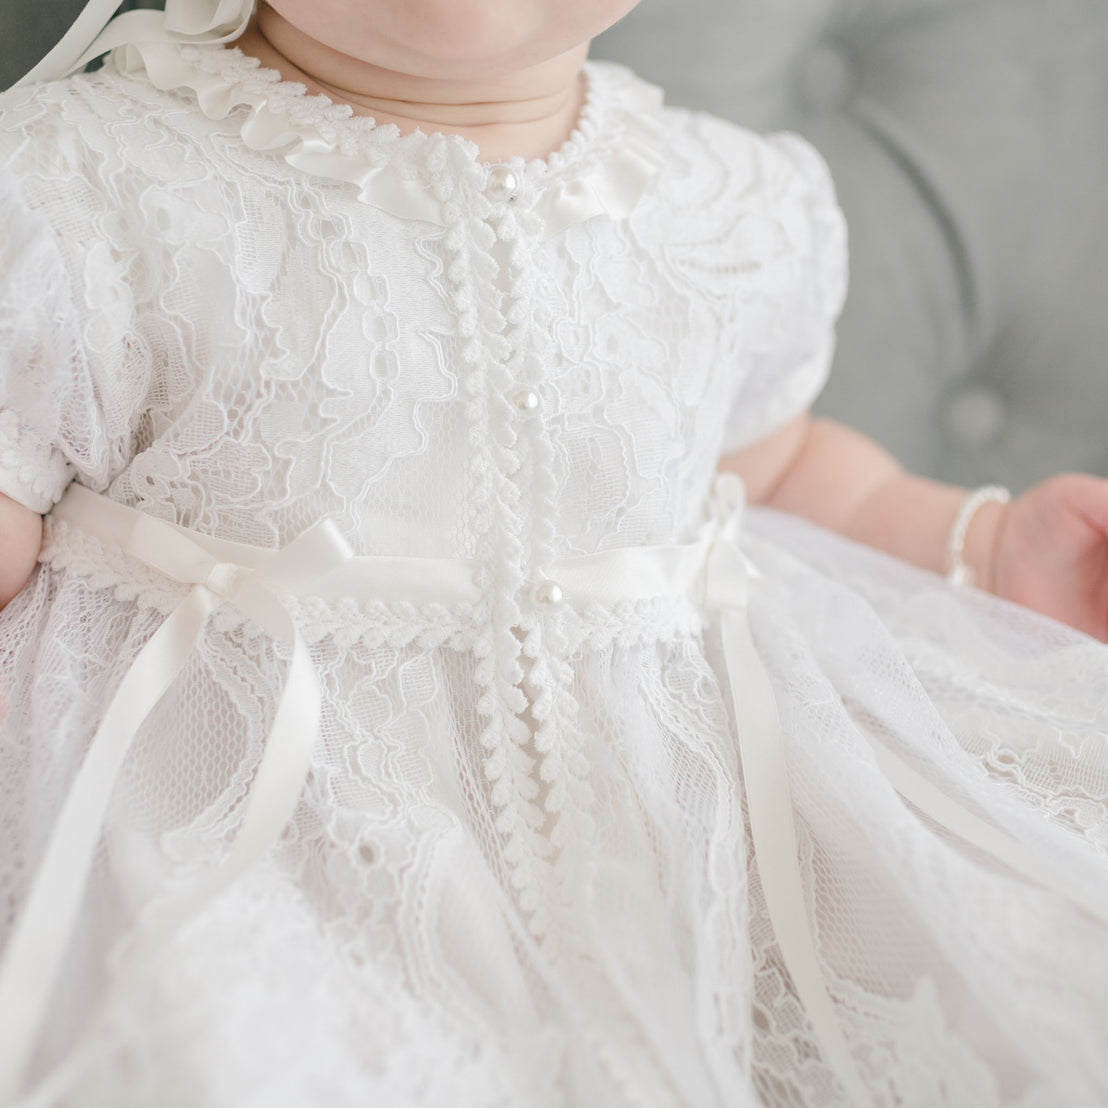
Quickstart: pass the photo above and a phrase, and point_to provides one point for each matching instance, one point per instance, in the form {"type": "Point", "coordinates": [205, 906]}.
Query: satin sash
{"type": "Point", "coordinates": [714, 571]}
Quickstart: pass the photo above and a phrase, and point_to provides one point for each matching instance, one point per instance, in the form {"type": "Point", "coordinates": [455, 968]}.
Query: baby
{"type": "Point", "coordinates": [396, 675]}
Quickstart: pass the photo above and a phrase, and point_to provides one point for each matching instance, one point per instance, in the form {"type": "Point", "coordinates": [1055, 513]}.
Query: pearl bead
{"type": "Point", "coordinates": [503, 184]}
{"type": "Point", "coordinates": [549, 592]}
{"type": "Point", "coordinates": [526, 400]}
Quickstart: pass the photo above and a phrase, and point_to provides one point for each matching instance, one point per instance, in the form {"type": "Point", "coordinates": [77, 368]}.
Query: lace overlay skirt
{"type": "Point", "coordinates": [386, 950]}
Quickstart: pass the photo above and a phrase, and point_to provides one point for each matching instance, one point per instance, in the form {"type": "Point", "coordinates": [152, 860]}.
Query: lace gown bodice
{"type": "Point", "coordinates": [258, 347]}
{"type": "Point", "coordinates": [518, 873]}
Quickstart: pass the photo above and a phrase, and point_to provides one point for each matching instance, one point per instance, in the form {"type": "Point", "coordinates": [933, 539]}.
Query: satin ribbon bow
{"type": "Point", "coordinates": [32, 960]}
{"type": "Point", "coordinates": [94, 32]}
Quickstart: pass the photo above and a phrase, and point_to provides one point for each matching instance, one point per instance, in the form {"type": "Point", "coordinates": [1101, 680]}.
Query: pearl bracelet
{"type": "Point", "coordinates": [958, 572]}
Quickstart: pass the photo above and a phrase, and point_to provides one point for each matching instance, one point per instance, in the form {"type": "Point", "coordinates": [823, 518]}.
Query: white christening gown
{"type": "Point", "coordinates": [432, 444]}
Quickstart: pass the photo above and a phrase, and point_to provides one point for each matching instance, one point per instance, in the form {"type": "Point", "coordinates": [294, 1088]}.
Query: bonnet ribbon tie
{"type": "Point", "coordinates": [94, 32]}
{"type": "Point", "coordinates": [34, 954]}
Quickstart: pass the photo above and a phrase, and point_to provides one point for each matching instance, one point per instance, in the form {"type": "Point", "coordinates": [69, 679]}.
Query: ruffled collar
{"type": "Point", "coordinates": [603, 168]}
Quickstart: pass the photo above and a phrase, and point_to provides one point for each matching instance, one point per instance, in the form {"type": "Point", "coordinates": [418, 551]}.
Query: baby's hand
{"type": "Point", "coordinates": [1051, 552]}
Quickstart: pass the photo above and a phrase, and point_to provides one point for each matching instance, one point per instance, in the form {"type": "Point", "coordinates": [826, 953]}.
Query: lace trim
{"type": "Point", "coordinates": [30, 472]}
{"type": "Point", "coordinates": [493, 437]}
{"type": "Point", "coordinates": [618, 143]}
{"type": "Point", "coordinates": [558, 739]}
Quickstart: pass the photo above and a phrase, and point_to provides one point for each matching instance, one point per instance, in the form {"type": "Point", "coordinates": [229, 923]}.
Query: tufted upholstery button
{"type": "Point", "coordinates": [503, 184]}
{"type": "Point", "coordinates": [826, 79]}
{"type": "Point", "coordinates": [549, 592]}
{"type": "Point", "coordinates": [976, 415]}
{"type": "Point", "coordinates": [526, 400]}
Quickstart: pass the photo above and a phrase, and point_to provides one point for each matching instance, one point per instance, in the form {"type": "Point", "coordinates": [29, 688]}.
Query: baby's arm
{"type": "Point", "coordinates": [846, 482]}
{"type": "Point", "coordinates": [20, 539]}
{"type": "Point", "coordinates": [1047, 549]}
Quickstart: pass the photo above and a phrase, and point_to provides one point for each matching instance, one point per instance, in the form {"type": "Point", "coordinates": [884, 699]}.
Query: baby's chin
{"type": "Point", "coordinates": [453, 40]}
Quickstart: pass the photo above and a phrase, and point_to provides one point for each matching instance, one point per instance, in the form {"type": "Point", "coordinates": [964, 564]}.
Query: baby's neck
{"type": "Point", "coordinates": [529, 113]}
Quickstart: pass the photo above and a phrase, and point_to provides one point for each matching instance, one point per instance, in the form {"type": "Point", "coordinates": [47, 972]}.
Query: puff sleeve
{"type": "Point", "coordinates": [39, 349]}
{"type": "Point", "coordinates": [68, 356]}
{"type": "Point", "coordinates": [792, 330]}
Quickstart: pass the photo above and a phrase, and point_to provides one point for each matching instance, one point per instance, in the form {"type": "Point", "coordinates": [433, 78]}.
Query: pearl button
{"type": "Point", "coordinates": [526, 400]}
{"type": "Point", "coordinates": [549, 592]}
{"type": "Point", "coordinates": [503, 184]}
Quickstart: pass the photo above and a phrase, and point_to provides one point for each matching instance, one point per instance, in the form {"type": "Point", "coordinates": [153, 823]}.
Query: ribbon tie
{"type": "Point", "coordinates": [94, 32]}
{"type": "Point", "coordinates": [254, 586]}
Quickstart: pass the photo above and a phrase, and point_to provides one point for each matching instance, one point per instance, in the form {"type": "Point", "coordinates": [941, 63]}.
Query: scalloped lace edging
{"type": "Point", "coordinates": [610, 158]}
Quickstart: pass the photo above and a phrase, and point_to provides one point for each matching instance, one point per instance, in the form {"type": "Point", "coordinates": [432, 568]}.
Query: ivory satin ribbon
{"type": "Point", "coordinates": [714, 571]}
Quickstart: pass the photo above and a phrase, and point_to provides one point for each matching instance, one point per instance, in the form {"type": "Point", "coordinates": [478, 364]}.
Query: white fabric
{"type": "Point", "coordinates": [713, 569]}
{"type": "Point", "coordinates": [95, 32]}
{"type": "Point", "coordinates": [32, 957]}
{"type": "Point", "coordinates": [255, 582]}
{"type": "Point", "coordinates": [518, 873]}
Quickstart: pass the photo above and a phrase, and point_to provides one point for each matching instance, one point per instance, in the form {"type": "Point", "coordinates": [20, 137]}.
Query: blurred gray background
{"type": "Point", "coordinates": [29, 28]}
{"type": "Point", "coordinates": [969, 142]}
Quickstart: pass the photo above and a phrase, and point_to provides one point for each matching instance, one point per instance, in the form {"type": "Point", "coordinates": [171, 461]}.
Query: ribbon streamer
{"type": "Point", "coordinates": [766, 781]}
{"type": "Point", "coordinates": [34, 953]}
